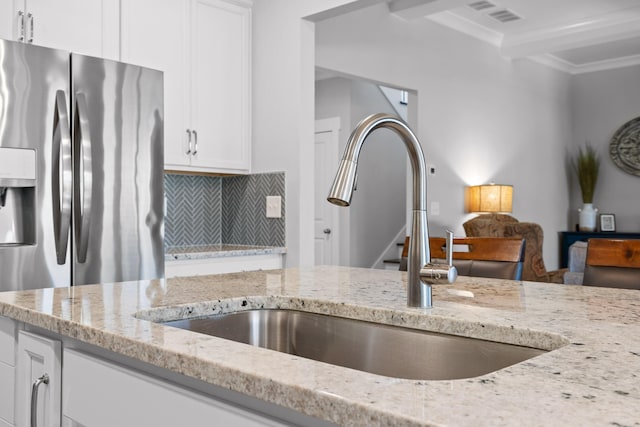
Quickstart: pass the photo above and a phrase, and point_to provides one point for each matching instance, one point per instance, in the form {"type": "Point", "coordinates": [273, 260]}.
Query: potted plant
{"type": "Point", "coordinates": [587, 165]}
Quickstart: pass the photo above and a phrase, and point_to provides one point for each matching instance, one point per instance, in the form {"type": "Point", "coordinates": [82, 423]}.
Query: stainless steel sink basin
{"type": "Point", "coordinates": [380, 349]}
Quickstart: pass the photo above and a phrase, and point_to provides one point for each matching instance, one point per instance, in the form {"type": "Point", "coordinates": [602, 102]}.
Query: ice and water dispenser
{"type": "Point", "coordinates": [17, 196]}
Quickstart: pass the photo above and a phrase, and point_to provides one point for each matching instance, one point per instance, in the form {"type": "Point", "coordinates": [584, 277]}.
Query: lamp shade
{"type": "Point", "coordinates": [489, 198]}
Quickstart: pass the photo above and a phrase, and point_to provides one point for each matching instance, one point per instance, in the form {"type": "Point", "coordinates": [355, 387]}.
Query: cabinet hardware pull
{"type": "Point", "coordinates": [21, 17]}
{"type": "Point", "coordinates": [195, 138]}
{"type": "Point", "coordinates": [189, 142]}
{"type": "Point", "coordinates": [44, 379]}
{"type": "Point", "coordinates": [31, 25]}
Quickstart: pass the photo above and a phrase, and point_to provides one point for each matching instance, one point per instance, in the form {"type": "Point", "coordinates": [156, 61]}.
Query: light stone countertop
{"type": "Point", "coordinates": [591, 378]}
{"type": "Point", "coordinates": [218, 251]}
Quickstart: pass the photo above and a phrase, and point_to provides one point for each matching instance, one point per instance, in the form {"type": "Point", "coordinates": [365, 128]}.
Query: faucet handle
{"type": "Point", "coordinates": [438, 274]}
{"type": "Point", "coordinates": [449, 246]}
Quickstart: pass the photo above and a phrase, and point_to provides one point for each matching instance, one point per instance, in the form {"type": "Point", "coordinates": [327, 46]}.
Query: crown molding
{"type": "Point", "coordinates": [536, 45]}
{"type": "Point", "coordinates": [602, 29]}
{"type": "Point", "coordinates": [562, 65]}
{"type": "Point", "coordinates": [415, 9]}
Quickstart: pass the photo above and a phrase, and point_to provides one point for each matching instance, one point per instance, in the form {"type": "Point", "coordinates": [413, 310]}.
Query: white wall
{"type": "Point", "coordinates": [602, 102]}
{"type": "Point", "coordinates": [283, 112]}
{"type": "Point", "coordinates": [481, 117]}
{"type": "Point", "coordinates": [377, 212]}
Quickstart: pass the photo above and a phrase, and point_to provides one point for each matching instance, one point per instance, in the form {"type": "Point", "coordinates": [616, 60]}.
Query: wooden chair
{"type": "Point", "coordinates": [613, 263]}
{"type": "Point", "coordinates": [494, 257]}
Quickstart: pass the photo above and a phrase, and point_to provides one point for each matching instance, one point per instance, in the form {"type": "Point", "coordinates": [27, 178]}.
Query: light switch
{"type": "Point", "coordinates": [274, 207]}
{"type": "Point", "coordinates": [435, 208]}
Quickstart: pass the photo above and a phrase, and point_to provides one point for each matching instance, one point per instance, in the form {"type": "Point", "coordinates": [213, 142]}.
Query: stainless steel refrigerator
{"type": "Point", "coordinates": [81, 169]}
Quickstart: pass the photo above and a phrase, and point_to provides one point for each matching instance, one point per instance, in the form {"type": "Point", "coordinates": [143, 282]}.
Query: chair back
{"type": "Point", "coordinates": [500, 225]}
{"type": "Point", "coordinates": [494, 257]}
{"type": "Point", "coordinates": [613, 263]}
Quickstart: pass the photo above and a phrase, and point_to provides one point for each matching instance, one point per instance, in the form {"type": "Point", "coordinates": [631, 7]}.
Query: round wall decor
{"type": "Point", "coordinates": [624, 148]}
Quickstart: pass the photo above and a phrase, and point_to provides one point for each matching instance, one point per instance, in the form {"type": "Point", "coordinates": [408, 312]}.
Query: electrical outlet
{"type": "Point", "coordinates": [274, 207]}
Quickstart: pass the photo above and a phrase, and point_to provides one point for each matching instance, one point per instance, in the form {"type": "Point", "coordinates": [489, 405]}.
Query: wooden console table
{"type": "Point", "coordinates": [568, 238]}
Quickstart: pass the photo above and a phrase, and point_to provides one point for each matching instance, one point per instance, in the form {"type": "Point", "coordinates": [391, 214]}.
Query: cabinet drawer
{"type": "Point", "coordinates": [7, 341]}
{"type": "Point", "coordinates": [98, 393]}
{"type": "Point", "coordinates": [7, 391]}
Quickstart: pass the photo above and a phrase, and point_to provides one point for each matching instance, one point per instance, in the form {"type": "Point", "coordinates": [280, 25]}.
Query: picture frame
{"type": "Point", "coordinates": [607, 222]}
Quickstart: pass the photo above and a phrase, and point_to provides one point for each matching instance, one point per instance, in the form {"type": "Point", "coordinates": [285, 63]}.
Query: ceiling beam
{"type": "Point", "coordinates": [601, 29]}
{"type": "Point", "coordinates": [414, 9]}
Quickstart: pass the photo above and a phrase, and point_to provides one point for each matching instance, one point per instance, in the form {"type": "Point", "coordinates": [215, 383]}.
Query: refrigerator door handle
{"type": "Point", "coordinates": [61, 179]}
{"type": "Point", "coordinates": [83, 177]}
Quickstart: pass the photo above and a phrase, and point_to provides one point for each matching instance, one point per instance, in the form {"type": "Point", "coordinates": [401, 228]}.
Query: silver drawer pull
{"type": "Point", "coordinates": [21, 18]}
{"type": "Point", "coordinates": [44, 379]}
{"type": "Point", "coordinates": [195, 139]}
{"type": "Point", "coordinates": [189, 142]}
{"type": "Point", "coordinates": [31, 25]}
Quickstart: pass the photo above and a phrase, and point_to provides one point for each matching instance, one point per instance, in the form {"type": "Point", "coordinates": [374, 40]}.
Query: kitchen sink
{"type": "Point", "coordinates": [392, 351]}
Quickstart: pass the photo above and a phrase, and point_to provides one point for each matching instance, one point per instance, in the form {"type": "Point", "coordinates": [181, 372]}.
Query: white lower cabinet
{"type": "Point", "coordinates": [38, 381]}
{"type": "Point", "coordinates": [233, 264]}
{"type": "Point", "coordinates": [98, 393]}
{"type": "Point", "coordinates": [7, 391]}
{"type": "Point", "coordinates": [8, 333]}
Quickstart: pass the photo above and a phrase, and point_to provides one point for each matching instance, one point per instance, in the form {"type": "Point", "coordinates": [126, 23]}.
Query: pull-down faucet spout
{"type": "Point", "coordinates": [421, 273]}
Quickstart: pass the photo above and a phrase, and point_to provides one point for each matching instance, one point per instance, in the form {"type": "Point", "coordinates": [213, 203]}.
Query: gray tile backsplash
{"type": "Point", "coordinates": [209, 210]}
{"type": "Point", "coordinates": [243, 211]}
{"type": "Point", "coordinates": [194, 210]}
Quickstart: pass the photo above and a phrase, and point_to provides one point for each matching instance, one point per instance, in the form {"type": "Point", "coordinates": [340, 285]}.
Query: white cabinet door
{"type": "Point", "coordinates": [88, 27]}
{"type": "Point", "coordinates": [8, 332]}
{"type": "Point", "coordinates": [204, 49]}
{"type": "Point", "coordinates": [154, 35]}
{"type": "Point", "coordinates": [38, 381]}
{"type": "Point", "coordinates": [98, 393]}
{"type": "Point", "coordinates": [7, 20]}
{"type": "Point", "coordinates": [220, 49]}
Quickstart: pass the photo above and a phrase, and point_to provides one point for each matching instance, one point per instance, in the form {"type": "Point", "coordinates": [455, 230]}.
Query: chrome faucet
{"type": "Point", "coordinates": [421, 273]}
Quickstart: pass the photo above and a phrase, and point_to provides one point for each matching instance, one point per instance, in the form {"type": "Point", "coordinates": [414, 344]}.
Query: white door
{"type": "Point", "coordinates": [326, 236]}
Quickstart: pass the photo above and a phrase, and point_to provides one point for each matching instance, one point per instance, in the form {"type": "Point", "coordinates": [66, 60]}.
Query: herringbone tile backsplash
{"type": "Point", "coordinates": [205, 210]}
{"type": "Point", "coordinates": [243, 211]}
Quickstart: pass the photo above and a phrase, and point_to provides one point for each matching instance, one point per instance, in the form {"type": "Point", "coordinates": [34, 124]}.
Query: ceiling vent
{"type": "Point", "coordinates": [504, 15]}
{"type": "Point", "coordinates": [481, 5]}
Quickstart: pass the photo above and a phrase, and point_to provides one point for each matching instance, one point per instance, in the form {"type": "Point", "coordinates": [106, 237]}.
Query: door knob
{"type": "Point", "coordinates": [327, 231]}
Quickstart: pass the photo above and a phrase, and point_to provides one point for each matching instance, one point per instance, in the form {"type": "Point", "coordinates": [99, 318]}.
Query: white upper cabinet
{"type": "Point", "coordinates": [204, 49]}
{"type": "Point", "coordinates": [158, 40]}
{"type": "Point", "coordinates": [88, 27]}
